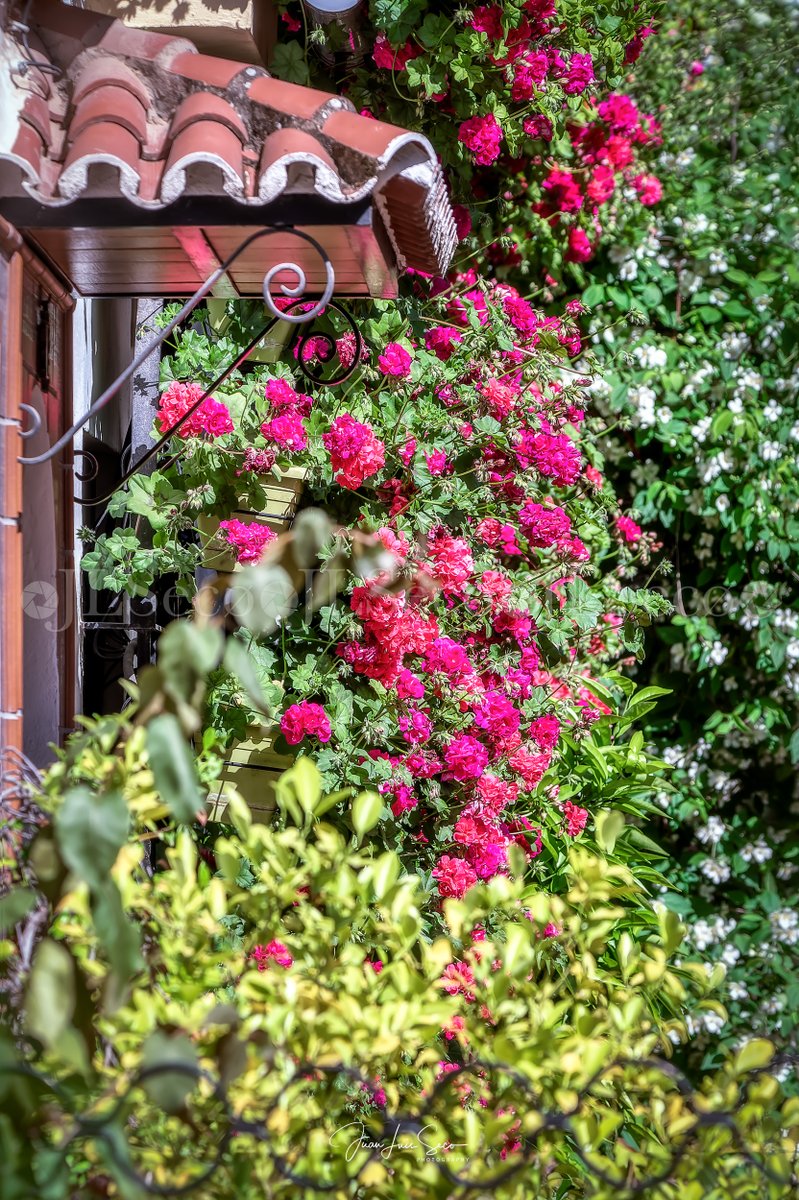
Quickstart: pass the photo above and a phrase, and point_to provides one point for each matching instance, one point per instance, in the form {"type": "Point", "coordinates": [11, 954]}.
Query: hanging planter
{"type": "Point", "coordinates": [275, 340]}
{"type": "Point", "coordinates": [253, 767]}
{"type": "Point", "coordinates": [280, 507]}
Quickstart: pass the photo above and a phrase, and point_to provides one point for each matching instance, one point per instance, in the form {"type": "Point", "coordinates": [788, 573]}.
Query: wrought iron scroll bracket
{"type": "Point", "coordinates": [326, 341]}
{"type": "Point", "coordinates": [291, 291]}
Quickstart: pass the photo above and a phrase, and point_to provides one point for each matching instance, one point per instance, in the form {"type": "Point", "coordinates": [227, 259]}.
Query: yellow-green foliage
{"type": "Point", "coordinates": [315, 1053]}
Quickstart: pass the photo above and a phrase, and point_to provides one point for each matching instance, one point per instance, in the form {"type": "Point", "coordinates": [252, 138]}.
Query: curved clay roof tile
{"type": "Point", "coordinates": [291, 154]}
{"type": "Point", "coordinates": [205, 154]}
{"type": "Point", "coordinates": [102, 145]}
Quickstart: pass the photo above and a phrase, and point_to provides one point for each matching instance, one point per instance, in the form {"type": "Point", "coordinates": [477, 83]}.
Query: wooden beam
{"type": "Point", "coordinates": [202, 257]}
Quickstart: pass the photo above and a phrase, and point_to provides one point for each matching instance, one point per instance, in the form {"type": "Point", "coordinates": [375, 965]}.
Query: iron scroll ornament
{"type": "Point", "coordinates": [291, 291]}
{"type": "Point", "coordinates": [385, 1126]}
{"type": "Point", "coordinates": [325, 349]}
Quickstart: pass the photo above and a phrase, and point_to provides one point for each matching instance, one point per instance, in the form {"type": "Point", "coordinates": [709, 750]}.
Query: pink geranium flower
{"type": "Point", "coordinates": [483, 136]}
{"type": "Point", "coordinates": [575, 817]}
{"type": "Point", "coordinates": [249, 538]}
{"type": "Point", "coordinates": [649, 189]}
{"type": "Point", "coordinates": [465, 758]}
{"type": "Point", "coordinates": [628, 529]}
{"type": "Point", "coordinates": [305, 720]}
{"type": "Point", "coordinates": [211, 417]}
{"type": "Point", "coordinates": [275, 952]}
{"type": "Point", "coordinates": [355, 452]}
{"type": "Point", "coordinates": [286, 430]}
{"type": "Point", "coordinates": [454, 876]}
{"type": "Point", "coordinates": [395, 360]}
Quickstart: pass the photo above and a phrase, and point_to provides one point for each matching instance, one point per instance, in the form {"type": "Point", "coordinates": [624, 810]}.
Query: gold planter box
{"type": "Point", "coordinates": [281, 499]}
{"type": "Point", "coordinates": [253, 768]}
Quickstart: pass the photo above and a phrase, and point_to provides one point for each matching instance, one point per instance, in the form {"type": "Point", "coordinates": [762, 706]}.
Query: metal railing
{"type": "Point", "coordinates": [383, 1129]}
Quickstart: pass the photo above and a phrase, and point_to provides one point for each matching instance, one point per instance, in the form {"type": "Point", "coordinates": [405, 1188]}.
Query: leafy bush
{"type": "Point", "coordinates": [282, 980]}
{"type": "Point", "coordinates": [523, 102]}
{"type": "Point", "coordinates": [706, 390]}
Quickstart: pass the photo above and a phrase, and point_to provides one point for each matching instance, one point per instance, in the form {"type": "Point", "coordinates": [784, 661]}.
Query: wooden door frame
{"type": "Point", "coordinates": [19, 267]}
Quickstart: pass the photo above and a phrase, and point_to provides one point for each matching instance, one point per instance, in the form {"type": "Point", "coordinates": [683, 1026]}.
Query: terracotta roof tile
{"type": "Point", "coordinates": [144, 116]}
{"type": "Point", "coordinates": [110, 104]}
{"type": "Point", "coordinates": [103, 160]}
{"type": "Point", "coordinates": [294, 161]}
{"type": "Point", "coordinates": [22, 164]}
{"type": "Point", "coordinates": [202, 69]}
{"type": "Point", "coordinates": [289, 100]}
{"type": "Point", "coordinates": [205, 106]}
{"type": "Point", "coordinates": [37, 114]}
{"type": "Point", "coordinates": [106, 71]}
{"type": "Point", "coordinates": [205, 159]}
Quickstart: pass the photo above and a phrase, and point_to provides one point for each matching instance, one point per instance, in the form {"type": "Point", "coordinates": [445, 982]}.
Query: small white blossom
{"type": "Point", "coordinates": [713, 832]}
{"type": "Point", "coordinates": [717, 870]}
{"type": "Point", "coordinates": [644, 398]}
{"type": "Point", "coordinates": [713, 1022]}
{"type": "Point", "coordinates": [759, 852]}
{"type": "Point", "coordinates": [718, 653]}
{"type": "Point", "coordinates": [650, 357]}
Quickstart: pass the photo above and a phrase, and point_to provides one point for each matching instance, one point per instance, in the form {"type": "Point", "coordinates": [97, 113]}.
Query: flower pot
{"type": "Point", "coordinates": [273, 346]}
{"type": "Point", "coordinates": [253, 768]}
{"type": "Point", "coordinates": [282, 498]}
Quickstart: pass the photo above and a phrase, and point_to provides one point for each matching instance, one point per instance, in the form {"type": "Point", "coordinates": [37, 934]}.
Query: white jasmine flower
{"type": "Point", "coordinates": [713, 1022]}
{"type": "Point", "coordinates": [717, 870]}
{"type": "Point", "coordinates": [713, 832]}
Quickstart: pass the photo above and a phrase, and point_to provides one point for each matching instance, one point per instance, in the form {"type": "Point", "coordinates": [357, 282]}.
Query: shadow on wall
{"type": "Point", "coordinates": [241, 29]}
{"type": "Point", "coordinates": [179, 10]}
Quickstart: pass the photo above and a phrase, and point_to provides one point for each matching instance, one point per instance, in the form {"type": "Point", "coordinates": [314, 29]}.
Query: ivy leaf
{"type": "Point", "coordinates": [583, 606]}
{"type": "Point", "coordinates": [288, 62]}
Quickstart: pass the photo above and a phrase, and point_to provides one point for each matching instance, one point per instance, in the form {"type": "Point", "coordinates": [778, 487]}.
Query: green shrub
{"type": "Point", "coordinates": [292, 970]}
{"type": "Point", "coordinates": [705, 390]}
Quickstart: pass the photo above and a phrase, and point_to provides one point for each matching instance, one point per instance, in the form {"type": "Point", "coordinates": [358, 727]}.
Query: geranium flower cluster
{"type": "Point", "coordinates": [355, 452]}
{"type": "Point", "coordinates": [284, 428]}
{"type": "Point", "coordinates": [493, 89]}
{"type": "Point", "coordinates": [478, 490]}
{"type": "Point", "coordinates": [305, 720]}
{"type": "Point", "coordinates": [248, 538]}
{"type": "Point", "coordinates": [605, 170]}
{"type": "Point", "coordinates": [179, 403]}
